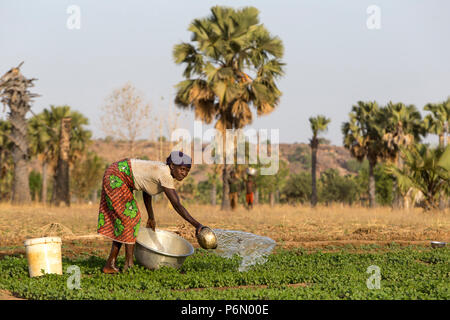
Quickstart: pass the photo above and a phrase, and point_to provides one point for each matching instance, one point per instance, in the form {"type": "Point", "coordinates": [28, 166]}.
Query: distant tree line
{"type": "Point", "coordinates": [44, 133]}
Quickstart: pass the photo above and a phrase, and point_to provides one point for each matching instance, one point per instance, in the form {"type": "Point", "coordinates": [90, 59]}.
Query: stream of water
{"type": "Point", "coordinates": [252, 248]}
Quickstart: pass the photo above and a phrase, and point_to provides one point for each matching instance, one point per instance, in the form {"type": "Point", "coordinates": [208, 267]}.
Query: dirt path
{"type": "Point", "coordinates": [350, 242]}
{"type": "Point", "coordinates": [6, 295]}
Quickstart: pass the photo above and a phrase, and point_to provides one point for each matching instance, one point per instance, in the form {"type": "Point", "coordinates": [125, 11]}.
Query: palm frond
{"type": "Point", "coordinates": [233, 45]}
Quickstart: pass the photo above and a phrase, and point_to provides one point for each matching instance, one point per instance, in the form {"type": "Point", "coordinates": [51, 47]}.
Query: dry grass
{"type": "Point", "coordinates": [288, 225]}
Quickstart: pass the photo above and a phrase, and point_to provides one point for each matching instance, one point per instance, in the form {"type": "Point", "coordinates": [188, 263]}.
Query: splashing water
{"type": "Point", "coordinates": [252, 248]}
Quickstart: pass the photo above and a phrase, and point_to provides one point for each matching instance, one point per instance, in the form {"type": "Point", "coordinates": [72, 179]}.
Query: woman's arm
{"type": "Point", "coordinates": [151, 223]}
{"type": "Point", "coordinates": [175, 201]}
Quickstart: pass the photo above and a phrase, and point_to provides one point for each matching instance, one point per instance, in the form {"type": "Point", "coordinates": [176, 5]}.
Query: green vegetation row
{"type": "Point", "coordinates": [409, 273]}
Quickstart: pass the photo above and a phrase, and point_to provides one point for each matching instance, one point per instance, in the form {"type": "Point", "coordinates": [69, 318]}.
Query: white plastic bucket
{"type": "Point", "coordinates": [43, 254]}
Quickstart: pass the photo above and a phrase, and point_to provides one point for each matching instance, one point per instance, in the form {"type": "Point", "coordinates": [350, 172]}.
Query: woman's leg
{"type": "Point", "coordinates": [110, 266]}
{"type": "Point", "coordinates": [129, 256]}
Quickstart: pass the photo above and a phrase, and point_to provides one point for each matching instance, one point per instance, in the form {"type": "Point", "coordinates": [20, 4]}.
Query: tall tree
{"type": "Point", "coordinates": [318, 124]}
{"type": "Point", "coordinates": [14, 92]}
{"type": "Point", "coordinates": [363, 137]}
{"type": "Point", "coordinates": [230, 65]}
{"type": "Point", "coordinates": [41, 147]}
{"type": "Point", "coordinates": [125, 115]}
{"type": "Point", "coordinates": [45, 134]}
{"type": "Point", "coordinates": [61, 188]}
{"type": "Point", "coordinates": [438, 121]}
{"type": "Point", "coordinates": [402, 128]}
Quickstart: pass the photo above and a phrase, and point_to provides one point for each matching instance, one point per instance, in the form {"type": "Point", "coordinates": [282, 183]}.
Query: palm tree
{"type": "Point", "coordinates": [231, 65]}
{"type": "Point", "coordinates": [318, 124]}
{"type": "Point", "coordinates": [45, 133]}
{"type": "Point", "coordinates": [363, 137]}
{"type": "Point", "coordinates": [438, 121]}
{"type": "Point", "coordinates": [426, 170]}
{"type": "Point", "coordinates": [41, 147]}
{"type": "Point", "coordinates": [402, 128]}
{"type": "Point", "coordinates": [14, 92]}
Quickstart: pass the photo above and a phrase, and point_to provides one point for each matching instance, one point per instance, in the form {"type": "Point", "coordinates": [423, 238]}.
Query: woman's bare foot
{"type": "Point", "coordinates": [127, 266]}
{"type": "Point", "coordinates": [129, 256]}
{"type": "Point", "coordinates": [110, 269]}
{"type": "Point", "coordinates": [110, 266]}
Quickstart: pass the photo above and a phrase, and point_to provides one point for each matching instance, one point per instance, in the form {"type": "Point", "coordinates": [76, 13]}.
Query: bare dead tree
{"type": "Point", "coordinates": [14, 93]}
{"type": "Point", "coordinates": [125, 115]}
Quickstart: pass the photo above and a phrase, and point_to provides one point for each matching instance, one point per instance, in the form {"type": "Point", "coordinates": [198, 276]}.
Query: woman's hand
{"type": "Point", "coordinates": [198, 229]}
{"type": "Point", "coordinates": [151, 223]}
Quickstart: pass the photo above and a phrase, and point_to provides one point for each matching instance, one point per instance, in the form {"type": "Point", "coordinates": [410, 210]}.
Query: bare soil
{"type": "Point", "coordinates": [6, 295]}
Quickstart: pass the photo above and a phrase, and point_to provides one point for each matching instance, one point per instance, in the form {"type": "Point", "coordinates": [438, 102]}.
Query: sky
{"type": "Point", "coordinates": [336, 53]}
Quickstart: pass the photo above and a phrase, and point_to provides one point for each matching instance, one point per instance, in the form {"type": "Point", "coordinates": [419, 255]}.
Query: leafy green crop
{"type": "Point", "coordinates": [405, 274]}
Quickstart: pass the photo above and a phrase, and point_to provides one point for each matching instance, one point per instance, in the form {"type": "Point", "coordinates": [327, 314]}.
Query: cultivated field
{"type": "Point", "coordinates": [321, 253]}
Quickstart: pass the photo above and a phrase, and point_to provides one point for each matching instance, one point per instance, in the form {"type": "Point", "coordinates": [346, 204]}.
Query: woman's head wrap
{"type": "Point", "coordinates": [179, 158]}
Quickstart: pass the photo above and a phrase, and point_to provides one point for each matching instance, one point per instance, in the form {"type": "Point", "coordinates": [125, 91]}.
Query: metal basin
{"type": "Point", "coordinates": [437, 244]}
{"type": "Point", "coordinates": [161, 248]}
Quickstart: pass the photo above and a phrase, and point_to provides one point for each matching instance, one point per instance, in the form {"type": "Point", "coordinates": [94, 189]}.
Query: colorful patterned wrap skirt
{"type": "Point", "coordinates": [119, 217]}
